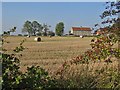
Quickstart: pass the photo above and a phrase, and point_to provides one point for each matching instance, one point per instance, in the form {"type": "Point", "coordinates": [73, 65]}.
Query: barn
{"type": "Point", "coordinates": [81, 31]}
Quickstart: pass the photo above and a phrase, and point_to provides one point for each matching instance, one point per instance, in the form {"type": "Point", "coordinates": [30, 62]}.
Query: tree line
{"type": "Point", "coordinates": [35, 28]}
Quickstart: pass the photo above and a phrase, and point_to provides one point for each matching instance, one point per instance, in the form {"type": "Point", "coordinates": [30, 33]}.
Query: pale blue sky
{"type": "Point", "coordinates": [72, 14]}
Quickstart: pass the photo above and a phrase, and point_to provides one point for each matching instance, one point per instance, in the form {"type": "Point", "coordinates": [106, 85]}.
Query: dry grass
{"type": "Point", "coordinates": [93, 75]}
{"type": "Point", "coordinates": [50, 53]}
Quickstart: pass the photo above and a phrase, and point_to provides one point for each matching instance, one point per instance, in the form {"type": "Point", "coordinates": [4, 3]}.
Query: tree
{"type": "Point", "coordinates": [36, 27]}
{"type": "Point", "coordinates": [116, 28]}
{"type": "Point", "coordinates": [51, 33]}
{"type": "Point", "coordinates": [27, 27]}
{"type": "Point", "coordinates": [39, 34]}
{"type": "Point", "coordinates": [59, 29]}
{"type": "Point", "coordinates": [111, 18]}
{"type": "Point", "coordinates": [45, 29]}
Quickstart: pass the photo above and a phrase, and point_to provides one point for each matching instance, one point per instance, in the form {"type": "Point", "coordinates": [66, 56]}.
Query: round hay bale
{"type": "Point", "coordinates": [38, 39]}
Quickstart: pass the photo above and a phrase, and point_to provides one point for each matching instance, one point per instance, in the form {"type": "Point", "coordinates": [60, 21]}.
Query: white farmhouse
{"type": "Point", "coordinates": [81, 31]}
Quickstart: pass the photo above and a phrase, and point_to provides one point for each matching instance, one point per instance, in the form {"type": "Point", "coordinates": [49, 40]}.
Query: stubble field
{"type": "Point", "coordinates": [50, 53]}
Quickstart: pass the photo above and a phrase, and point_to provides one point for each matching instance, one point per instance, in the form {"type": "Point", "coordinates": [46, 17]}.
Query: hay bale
{"type": "Point", "coordinates": [37, 39]}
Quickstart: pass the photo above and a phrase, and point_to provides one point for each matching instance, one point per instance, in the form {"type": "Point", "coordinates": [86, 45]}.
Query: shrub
{"type": "Point", "coordinates": [51, 33]}
{"type": "Point", "coordinates": [19, 34]}
{"type": "Point", "coordinates": [25, 34]}
{"type": "Point", "coordinates": [35, 77]}
{"type": "Point", "coordinates": [10, 72]}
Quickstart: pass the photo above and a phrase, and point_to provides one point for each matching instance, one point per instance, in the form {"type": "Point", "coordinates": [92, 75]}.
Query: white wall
{"type": "Point", "coordinates": [82, 33]}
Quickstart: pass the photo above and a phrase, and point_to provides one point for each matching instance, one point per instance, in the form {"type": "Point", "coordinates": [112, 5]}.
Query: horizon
{"type": "Point", "coordinates": [85, 14]}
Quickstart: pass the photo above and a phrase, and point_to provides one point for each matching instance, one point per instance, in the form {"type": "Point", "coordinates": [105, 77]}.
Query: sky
{"type": "Point", "coordinates": [84, 14]}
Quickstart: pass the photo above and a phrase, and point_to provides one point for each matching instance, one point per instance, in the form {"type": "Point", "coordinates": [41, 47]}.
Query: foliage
{"type": "Point", "coordinates": [19, 34]}
{"type": "Point", "coordinates": [111, 18]}
{"type": "Point", "coordinates": [10, 72]}
{"type": "Point", "coordinates": [59, 29]}
{"type": "Point", "coordinates": [51, 33]}
{"type": "Point", "coordinates": [36, 78]}
{"type": "Point", "coordinates": [101, 51]}
{"type": "Point", "coordinates": [39, 34]}
{"type": "Point", "coordinates": [109, 79]}
{"type": "Point", "coordinates": [8, 32]}
{"type": "Point", "coordinates": [36, 27]}
{"type": "Point", "coordinates": [13, 29]}
{"type": "Point", "coordinates": [27, 27]}
{"type": "Point", "coordinates": [20, 47]}
{"type": "Point", "coordinates": [13, 78]}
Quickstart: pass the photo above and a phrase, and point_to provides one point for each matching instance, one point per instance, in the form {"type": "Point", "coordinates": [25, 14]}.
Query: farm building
{"type": "Point", "coordinates": [81, 31]}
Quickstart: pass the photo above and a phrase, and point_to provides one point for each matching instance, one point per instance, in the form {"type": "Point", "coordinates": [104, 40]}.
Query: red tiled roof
{"type": "Point", "coordinates": [81, 29]}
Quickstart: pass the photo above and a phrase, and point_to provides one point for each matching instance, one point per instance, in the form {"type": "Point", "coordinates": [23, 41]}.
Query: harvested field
{"type": "Point", "coordinates": [50, 52]}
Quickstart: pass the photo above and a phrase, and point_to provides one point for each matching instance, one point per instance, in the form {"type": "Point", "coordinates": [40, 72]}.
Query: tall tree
{"type": "Point", "coordinates": [36, 27]}
{"type": "Point", "coordinates": [27, 27]}
{"type": "Point", "coordinates": [59, 29]}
